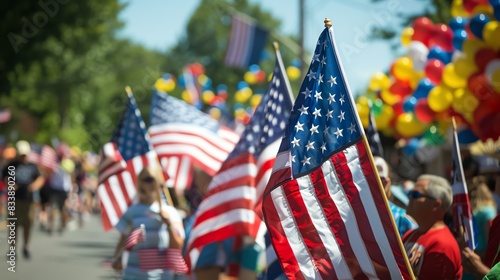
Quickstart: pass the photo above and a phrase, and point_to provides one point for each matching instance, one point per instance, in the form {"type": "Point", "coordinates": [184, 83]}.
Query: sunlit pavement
{"type": "Point", "coordinates": [75, 254]}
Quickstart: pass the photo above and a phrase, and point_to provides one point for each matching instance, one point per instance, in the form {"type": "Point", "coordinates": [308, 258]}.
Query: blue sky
{"type": "Point", "coordinates": [158, 24]}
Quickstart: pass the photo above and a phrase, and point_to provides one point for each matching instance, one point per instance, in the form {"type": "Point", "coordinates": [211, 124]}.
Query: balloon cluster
{"type": "Point", "coordinates": [165, 83]}
{"type": "Point", "coordinates": [449, 70]}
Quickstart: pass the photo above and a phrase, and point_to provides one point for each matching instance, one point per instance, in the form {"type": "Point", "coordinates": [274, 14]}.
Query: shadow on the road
{"type": "Point", "coordinates": [87, 244]}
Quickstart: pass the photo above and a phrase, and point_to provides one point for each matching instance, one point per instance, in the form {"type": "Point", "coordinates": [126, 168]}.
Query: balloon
{"type": "Point", "coordinates": [477, 24]}
{"type": "Point", "coordinates": [377, 106]}
{"type": "Point", "coordinates": [364, 114]}
{"type": "Point", "coordinates": [469, 5]}
{"type": "Point", "coordinates": [479, 85]}
{"type": "Point", "coordinates": [483, 9]}
{"type": "Point", "coordinates": [202, 79]}
{"type": "Point", "coordinates": [401, 88]}
{"type": "Point", "coordinates": [406, 36]}
{"type": "Point", "coordinates": [221, 88]}
{"type": "Point", "coordinates": [215, 112]}
{"type": "Point", "coordinates": [250, 78]}
{"type": "Point", "coordinates": [398, 108]}
{"type": "Point", "coordinates": [254, 68]}
{"type": "Point", "coordinates": [207, 96]}
{"type": "Point", "coordinates": [434, 70]}
{"type": "Point", "coordinates": [255, 100]}
{"type": "Point", "coordinates": [458, 23]}
{"type": "Point", "coordinates": [389, 98]}
{"type": "Point", "coordinates": [450, 77]}
{"type": "Point", "coordinates": [423, 28]}
{"type": "Point", "coordinates": [384, 118]}
{"type": "Point", "coordinates": [411, 147]}
{"type": "Point", "coordinates": [409, 104]}
{"type": "Point", "coordinates": [464, 101]}
{"type": "Point", "coordinates": [379, 81]}
{"type": "Point", "coordinates": [483, 57]}
{"type": "Point", "coordinates": [465, 67]}
{"type": "Point", "coordinates": [432, 136]}
{"type": "Point", "coordinates": [457, 9]}
{"type": "Point", "coordinates": [439, 99]}
{"type": "Point", "coordinates": [496, 11]}
{"type": "Point", "coordinates": [408, 126]}
{"type": "Point", "coordinates": [423, 112]}
{"type": "Point", "coordinates": [442, 37]}
{"type": "Point", "coordinates": [363, 100]}
{"type": "Point", "coordinates": [403, 68]}
{"type": "Point", "coordinates": [418, 52]}
{"type": "Point", "coordinates": [491, 33]}
{"type": "Point", "coordinates": [439, 54]}
{"type": "Point", "coordinates": [466, 136]}
{"type": "Point", "coordinates": [471, 46]}
{"type": "Point", "coordinates": [242, 85]}
{"type": "Point", "coordinates": [293, 73]}
{"type": "Point", "coordinates": [459, 37]}
{"type": "Point", "coordinates": [261, 76]}
{"type": "Point", "coordinates": [217, 101]}
{"type": "Point", "coordinates": [423, 89]}
{"type": "Point", "coordinates": [186, 96]}
{"type": "Point", "coordinates": [196, 69]}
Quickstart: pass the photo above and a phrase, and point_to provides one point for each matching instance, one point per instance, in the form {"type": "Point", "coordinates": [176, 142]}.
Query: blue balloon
{"type": "Point", "coordinates": [181, 82]}
{"type": "Point", "coordinates": [467, 137]}
{"type": "Point", "coordinates": [496, 11]}
{"type": "Point", "coordinates": [411, 147]}
{"type": "Point", "coordinates": [458, 23]}
{"type": "Point", "coordinates": [423, 88]}
{"type": "Point", "coordinates": [477, 24]}
{"type": "Point", "coordinates": [458, 38]}
{"type": "Point", "coordinates": [242, 85]}
{"type": "Point", "coordinates": [254, 68]}
{"type": "Point", "coordinates": [237, 106]}
{"type": "Point", "coordinates": [296, 62]}
{"type": "Point", "coordinates": [222, 88]}
{"type": "Point", "coordinates": [439, 54]}
{"type": "Point", "coordinates": [494, 3]}
{"type": "Point", "coordinates": [409, 104]}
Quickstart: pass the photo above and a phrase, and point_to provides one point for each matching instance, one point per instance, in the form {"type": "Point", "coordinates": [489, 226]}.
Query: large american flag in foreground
{"type": "Point", "coordinates": [184, 137]}
{"type": "Point", "coordinates": [228, 208]}
{"type": "Point", "coordinates": [128, 152]}
{"type": "Point", "coordinates": [462, 215]}
{"type": "Point", "coordinates": [323, 206]}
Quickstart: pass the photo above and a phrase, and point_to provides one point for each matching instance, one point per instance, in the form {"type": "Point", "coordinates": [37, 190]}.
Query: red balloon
{"type": "Point", "coordinates": [434, 70]}
{"type": "Point", "coordinates": [398, 109]}
{"type": "Point", "coordinates": [486, 121]}
{"type": "Point", "coordinates": [483, 57]}
{"type": "Point", "coordinates": [423, 112]}
{"type": "Point", "coordinates": [401, 88]}
{"type": "Point", "coordinates": [469, 5]}
{"type": "Point", "coordinates": [422, 30]}
{"type": "Point", "coordinates": [479, 85]}
{"type": "Point", "coordinates": [442, 36]}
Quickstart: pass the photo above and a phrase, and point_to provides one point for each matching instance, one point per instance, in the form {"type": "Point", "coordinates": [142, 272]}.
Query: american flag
{"type": "Point", "coordinates": [169, 259]}
{"type": "Point", "coordinates": [373, 136]}
{"type": "Point", "coordinates": [128, 152]}
{"type": "Point", "coordinates": [184, 137]}
{"type": "Point", "coordinates": [228, 208]}
{"type": "Point", "coordinates": [44, 156]}
{"type": "Point", "coordinates": [246, 42]}
{"type": "Point", "coordinates": [323, 206]}
{"type": "Point", "coordinates": [134, 238]}
{"type": "Point", "coordinates": [462, 215]}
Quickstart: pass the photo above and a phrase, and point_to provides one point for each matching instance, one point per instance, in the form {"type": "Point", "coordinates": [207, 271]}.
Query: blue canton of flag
{"type": "Point", "coordinates": [323, 120]}
{"type": "Point", "coordinates": [130, 135]}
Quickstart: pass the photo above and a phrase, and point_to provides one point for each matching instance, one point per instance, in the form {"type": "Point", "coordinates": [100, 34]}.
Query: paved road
{"type": "Point", "coordinates": [76, 254]}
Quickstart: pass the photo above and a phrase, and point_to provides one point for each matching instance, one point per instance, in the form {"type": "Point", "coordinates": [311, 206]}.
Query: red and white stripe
{"type": "Point", "coordinates": [135, 237]}
{"type": "Point", "coordinates": [333, 223]}
{"type": "Point", "coordinates": [240, 42]}
{"type": "Point", "coordinates": [169, 259]}
{"type": "Point", "coordinates": [117, 182]}
{"type": "Point", "coordinates": [181, 146]}
{"type": "Point", "coordinates": [228, 208]}
{"type": "Point", "coordinates": [47, 158]}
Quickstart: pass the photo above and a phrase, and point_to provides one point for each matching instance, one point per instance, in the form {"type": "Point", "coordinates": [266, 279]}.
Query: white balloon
{"type": "Point", "coordinates": [418, 52]}
{"type": "Point", "coordinates": [490, 68]}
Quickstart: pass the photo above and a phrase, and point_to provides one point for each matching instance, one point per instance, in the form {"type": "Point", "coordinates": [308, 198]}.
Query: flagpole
{"type": "Point", "coordinates": [166, 193]}
{"type": "Point", "coordinates": [328, 24]}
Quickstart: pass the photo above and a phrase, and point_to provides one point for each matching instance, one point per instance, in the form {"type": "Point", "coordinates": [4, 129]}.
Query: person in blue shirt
{"type": "Point", "coordinates": [403, 221]}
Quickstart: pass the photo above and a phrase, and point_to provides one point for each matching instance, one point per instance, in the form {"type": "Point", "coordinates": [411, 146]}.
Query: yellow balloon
{"type": "Point", "coordinates": [207, 96]}
{"type": "Point", "coordinates": [240, 113]}
{"type": "Point", "coordinates": [239, 97]}
{"type": "Point", "coordinates": [250, 78]}
{"type": "Point", "coordinates": [186, 97]}
{"type": "Point", "coordinates": [483, 9]}
{"type": "Point", "coordinates": [457, 9]}
{"type": "Point", "coordinates": [451, 78]}
{"type": "Point", "coordinates": [379, 81]}
{"type": "Point", "coordinates": [403, 68]}
{"type": "Point", "coordinates": [470, 47]}
{"type": "Point", "coordinates": [406, 36]}
{"type": "Point", "coordinates": [491, 34]}
{"type": "Point", "coordinates": [364, 114]}
{"type": "Point", "coordinates": [464, 67]}
{"type": "Point", "coordinates": [389, 98]}
{"type": "Point", "coordinates": [439, 99]}
{"type": "Point", "coordinates": [383, 120]}
{"type": "Point", "coordinates": [255, 100]}
{"type": "Point", "coordinates": [409, 126]}
{"type": "Point", "coordinates": [169, 85]}
{"type": "Point", "coordinates": [293, 73]}
{"type": "Point", "coordinates": [388, 132]}
{"type": "Point", "coordinates": [415, 78]}
{"type": "Point", "coordinates": [202, 79]}
{"type": "Point", "coordinates": [215, 113]}
{"type": "Point", "coordinates": [363, 100]}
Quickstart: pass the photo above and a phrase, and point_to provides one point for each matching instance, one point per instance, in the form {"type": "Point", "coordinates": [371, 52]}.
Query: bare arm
{"type": "Point", "coordinates": [116, 260]}
{"type": "Point", "coordinates": [176, 240]}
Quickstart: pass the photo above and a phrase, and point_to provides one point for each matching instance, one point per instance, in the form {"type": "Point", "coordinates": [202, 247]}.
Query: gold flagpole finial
{"type": "Point", "coordinates": [128, 90]}
{"type": "Point", "coordinates": [454, 123]}
{"type": "Point", "coordinates": [327, 22]}
{"type": "Point", "coordinates": [276, 46]}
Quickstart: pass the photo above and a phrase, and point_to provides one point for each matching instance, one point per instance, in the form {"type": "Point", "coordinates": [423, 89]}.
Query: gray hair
{"type": "Point", "coordinates": [438, 188]}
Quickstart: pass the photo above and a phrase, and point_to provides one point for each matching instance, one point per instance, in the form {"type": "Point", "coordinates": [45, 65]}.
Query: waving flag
{"type": "Point", "coordinates": [135, 237]}
{"type": "Point", "coordinates": [462, 215]}
{"type": "Point", "coordinates": [324, 207]}
{"type": "Point", "coordinates": [184, 137]}
{"type": "Point", "coordinates": [246, 42]}
{"type": "Point", "coordinates": [373, 136]}
{"type": "Point", "coordinates": [44, 156]}
{"type": "Point", "coordinates": [128, 152]}
{"type": "Point", "coordinates": [228, 208]}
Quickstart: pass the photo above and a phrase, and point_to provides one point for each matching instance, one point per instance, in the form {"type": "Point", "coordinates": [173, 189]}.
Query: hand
{"type": "Point", "coordinates": [472, 262]}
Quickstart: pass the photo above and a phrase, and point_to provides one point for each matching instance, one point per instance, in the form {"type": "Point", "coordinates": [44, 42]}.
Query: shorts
{"type": "Point", "coordinates": [25, 213]}
{"type": "Point", "coordinates": [58, 199]}
{"type": "Point", "coordinates": [44, 195]}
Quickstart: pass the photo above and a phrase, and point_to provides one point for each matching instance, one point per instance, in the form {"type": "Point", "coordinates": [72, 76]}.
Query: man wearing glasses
{"type": "Point", "coordinates": [432, 250]}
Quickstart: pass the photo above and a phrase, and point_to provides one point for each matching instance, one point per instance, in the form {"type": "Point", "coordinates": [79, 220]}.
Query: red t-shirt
{"type": "Point", "coordinates": [434, 254]}
{"type": "Point", "coordinates": [492, 250]}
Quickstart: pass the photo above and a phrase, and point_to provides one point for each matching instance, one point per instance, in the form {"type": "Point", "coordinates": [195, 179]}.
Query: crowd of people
{"type": "Point", "coordinates": [421, 212]}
